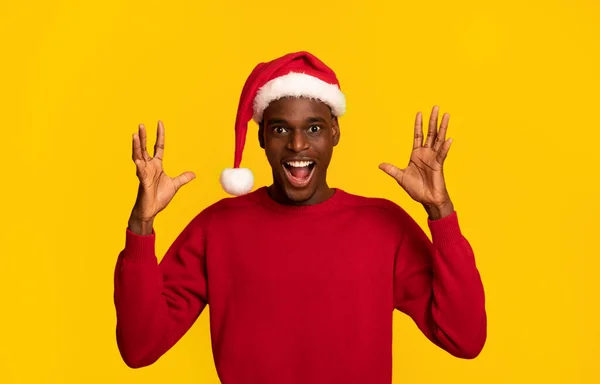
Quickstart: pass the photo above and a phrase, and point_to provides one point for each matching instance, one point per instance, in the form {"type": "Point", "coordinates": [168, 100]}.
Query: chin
{"type": "Point", "coordinates": [298, 191]}
{"type": "Point", "coordinates": [299, 196]}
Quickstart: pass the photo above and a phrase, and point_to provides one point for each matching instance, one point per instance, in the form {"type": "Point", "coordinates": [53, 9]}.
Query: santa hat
{"type": "Point", "coordinates": [298, 74]}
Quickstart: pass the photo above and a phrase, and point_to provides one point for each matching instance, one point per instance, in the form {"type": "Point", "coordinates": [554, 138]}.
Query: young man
{"type": "Point", "coordinates": [302, 279]}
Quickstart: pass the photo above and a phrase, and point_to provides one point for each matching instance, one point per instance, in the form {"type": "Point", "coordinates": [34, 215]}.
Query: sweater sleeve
{"type": "Point", "coordinates": [438, 285]}
{"type": "Point", "coordinates": [156, 303]}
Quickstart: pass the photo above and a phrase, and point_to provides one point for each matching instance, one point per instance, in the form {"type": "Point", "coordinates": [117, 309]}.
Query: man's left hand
{"type": "Point", "coordinates": [423, 177]}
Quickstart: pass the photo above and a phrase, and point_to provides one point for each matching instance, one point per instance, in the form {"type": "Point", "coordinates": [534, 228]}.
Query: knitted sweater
{"type": "Point", "coordinates": [300, 294]}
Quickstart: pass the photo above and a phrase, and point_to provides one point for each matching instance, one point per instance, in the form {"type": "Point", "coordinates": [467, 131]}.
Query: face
{"type": "Point", "coordinates": [298, 136]}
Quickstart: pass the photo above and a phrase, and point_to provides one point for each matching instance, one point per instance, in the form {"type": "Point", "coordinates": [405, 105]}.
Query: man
{"type": "Point", "coordinates": [302, 279]}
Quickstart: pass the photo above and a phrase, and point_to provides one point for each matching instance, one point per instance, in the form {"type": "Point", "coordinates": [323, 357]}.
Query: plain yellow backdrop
{"type": "Point", "coordinates": [519, 78]}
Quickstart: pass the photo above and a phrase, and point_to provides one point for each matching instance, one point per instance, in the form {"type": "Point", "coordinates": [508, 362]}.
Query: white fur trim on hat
{"type": "Point", "coordinates": [299, 85]}
{"type": "Point", "coordinates": [237, 181]}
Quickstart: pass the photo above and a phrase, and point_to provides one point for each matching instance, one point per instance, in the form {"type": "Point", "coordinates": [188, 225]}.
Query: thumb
{"type": "Point", "coordinates": [393, 171]}
{"type": "Point", "coordinates": [183, 179]}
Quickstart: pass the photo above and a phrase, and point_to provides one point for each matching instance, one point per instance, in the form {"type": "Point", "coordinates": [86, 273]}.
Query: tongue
{"type": "Point", "coordinates": [300, 172]}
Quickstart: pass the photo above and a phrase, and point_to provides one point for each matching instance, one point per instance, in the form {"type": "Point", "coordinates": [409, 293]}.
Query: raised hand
{"type": "Point", "coordinates": [156, 188]}
{"type": "Point", "coordinates": [423, 177]}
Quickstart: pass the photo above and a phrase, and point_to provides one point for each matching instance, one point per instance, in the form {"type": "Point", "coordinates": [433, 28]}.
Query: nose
{"type": "Point", "coordinates": [297, 141]}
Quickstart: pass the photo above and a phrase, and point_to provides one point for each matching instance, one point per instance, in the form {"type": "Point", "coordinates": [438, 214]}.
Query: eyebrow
{"type": "Point", "coordinates": [276, 121]}
{"type": "Point", "coordinates": [313, 119]}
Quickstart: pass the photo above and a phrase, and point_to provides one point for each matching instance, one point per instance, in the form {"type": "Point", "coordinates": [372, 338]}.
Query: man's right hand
{"type": "Point", "coordinates": [156, 188]}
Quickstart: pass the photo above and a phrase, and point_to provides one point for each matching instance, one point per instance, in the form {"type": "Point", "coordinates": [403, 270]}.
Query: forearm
{"type": "Point", "coordinates": [439, 287]}
{"type": "Point", "coordinates": [140, 308]}
{"type": "Point", "coordinates": [458, 302]}
{"type": "Point", "coordinates": [155, 304]}
{"type": "Point", "coordinates": [458, 306]}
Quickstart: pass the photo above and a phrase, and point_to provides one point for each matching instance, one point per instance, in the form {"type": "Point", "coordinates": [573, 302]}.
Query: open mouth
{"type": "Point", "coordinates": [299, 173]}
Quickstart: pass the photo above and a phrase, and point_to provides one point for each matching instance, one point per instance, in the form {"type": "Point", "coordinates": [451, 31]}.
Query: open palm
{"type": "Point", "coordinates": [156, 188]}
{"type": "Point", "coordinates": [423, 177]}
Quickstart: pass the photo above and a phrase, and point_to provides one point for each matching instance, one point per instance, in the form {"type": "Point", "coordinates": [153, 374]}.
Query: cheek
{"type": "Point", "coordinates": [272, 153]}
{"type": "Point", "coordinates": [325, 144]}
{"type": "Point", "coordinates": [329, 153]}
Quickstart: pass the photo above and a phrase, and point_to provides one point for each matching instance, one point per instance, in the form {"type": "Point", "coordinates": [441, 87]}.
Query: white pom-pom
{"type": "Point", "coordinates": [237, 181]}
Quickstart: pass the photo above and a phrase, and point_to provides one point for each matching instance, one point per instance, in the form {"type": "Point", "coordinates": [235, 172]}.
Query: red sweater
{"type": "Point", "coordinates": [300, 294]}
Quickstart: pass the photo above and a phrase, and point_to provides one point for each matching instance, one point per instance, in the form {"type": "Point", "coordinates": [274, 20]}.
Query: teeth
{"type": "Point", "coordinates": [299, 163]}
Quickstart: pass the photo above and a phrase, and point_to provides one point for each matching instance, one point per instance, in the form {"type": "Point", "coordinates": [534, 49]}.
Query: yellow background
{"type": "Point", "coordinates": [519, 78]}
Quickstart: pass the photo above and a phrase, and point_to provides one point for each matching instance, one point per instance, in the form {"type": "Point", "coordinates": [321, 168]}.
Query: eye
{"type": "Point", "coordinates": [279, 130]}
{"type": "Point", "coordinates": [314, 128]}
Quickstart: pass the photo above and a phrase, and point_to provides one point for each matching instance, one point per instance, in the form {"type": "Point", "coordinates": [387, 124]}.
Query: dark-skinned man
{"type": "Point", "coordinates": [302, 279]}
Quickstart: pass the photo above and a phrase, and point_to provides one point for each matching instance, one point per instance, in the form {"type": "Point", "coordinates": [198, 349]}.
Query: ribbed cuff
{"type": "Point", "coordinates": [139, 249]}
{"type": "Point", "coordinates": [445, 231]}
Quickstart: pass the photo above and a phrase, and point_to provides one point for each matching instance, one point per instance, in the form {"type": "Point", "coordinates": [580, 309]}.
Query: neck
{"type": "Point", "coordinates": [322, 194]}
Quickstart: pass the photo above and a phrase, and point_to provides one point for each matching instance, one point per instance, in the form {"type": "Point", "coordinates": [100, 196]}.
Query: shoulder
{"type": "Point", "coordinates": [374, 204]}
{"type": "Point", "coordinates": [378, 211]}
{"type": "Point", "coordinates": [233, 204]}
{"type": "Point", "coordinates": [227, 206]}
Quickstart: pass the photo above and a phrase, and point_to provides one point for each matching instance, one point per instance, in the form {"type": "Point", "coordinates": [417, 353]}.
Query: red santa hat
{"type": "Point", "coordinates": [298, 74]}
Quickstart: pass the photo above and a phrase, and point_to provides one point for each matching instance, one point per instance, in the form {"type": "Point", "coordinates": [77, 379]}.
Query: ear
{"type": "Point", "coordinates": [336, 131]}
{"type": "Point", "coordinates": [261, 135]}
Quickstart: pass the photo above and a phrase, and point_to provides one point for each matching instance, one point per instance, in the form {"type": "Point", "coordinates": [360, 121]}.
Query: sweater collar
{"type": "Point", "coordinates": [325, 206]}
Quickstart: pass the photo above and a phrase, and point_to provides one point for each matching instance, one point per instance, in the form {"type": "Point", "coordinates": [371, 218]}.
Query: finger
{"type": "Point", "coordinates": [441, 136]}
{"type": "Point", "coordinates": [136, 148]}
{"type": "Point", "coordinates": [183, 179]}
{"type": "Point", "coordinates": [432, 131]}
{"type": "Point", "coordinates": [443, 152]}
{"type": "Point", "coordinates": [418, 140]}
{"type": "Point", "coordinates": [393, 171]}
{"type": "Point", "coordinates": [142, 131]}
{"type": "Point", "coordinates": [140, 168]}
{"type": "Point", "coordinates": [159, 146]}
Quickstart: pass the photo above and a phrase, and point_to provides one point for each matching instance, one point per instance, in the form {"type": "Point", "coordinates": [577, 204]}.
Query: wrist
{"type": "Point", "coordinates": [139, 226]}
{"type": "Point", "coordinates": [439, 211]}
